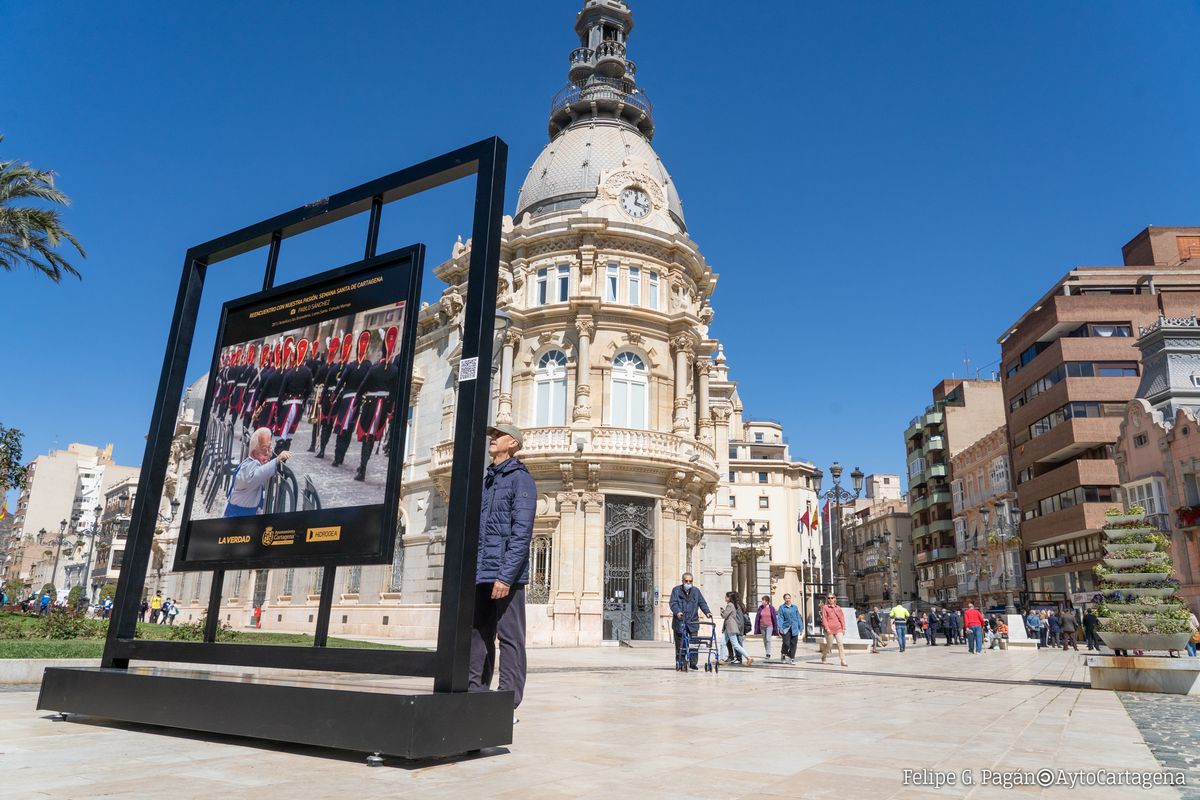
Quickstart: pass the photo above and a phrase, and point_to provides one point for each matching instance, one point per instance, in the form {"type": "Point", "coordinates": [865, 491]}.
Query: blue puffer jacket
{"type": "Point", "coordinates": [506, 524]}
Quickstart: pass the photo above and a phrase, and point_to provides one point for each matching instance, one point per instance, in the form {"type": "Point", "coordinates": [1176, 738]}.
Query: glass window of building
{"type": "Point", "coordinates": [610, 283]}
{"type": "Point", "coordinates": [630, 391]}
{"type": "Point", "coordinates": [652, 299]}
{"type": "Point", "coordinates": [564, 283]}
{"type": "Point", "coordinates": [542, 286]}
{"type": "Point", "coordinates": [762, 477]}
{"type": "Point", "coordinates": [635, 286]}
{"type": "Point", "coordinates": [550, 390]}
{"type": "Point", "coordinates": [764, 502]}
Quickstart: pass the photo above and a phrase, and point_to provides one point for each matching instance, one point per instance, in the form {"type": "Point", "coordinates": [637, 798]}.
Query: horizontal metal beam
{"type": "Point", "coordinates": [328, 659]}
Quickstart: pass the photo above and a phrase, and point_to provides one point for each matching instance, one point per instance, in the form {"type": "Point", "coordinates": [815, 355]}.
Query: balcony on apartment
{"type": "Point", "coordinates": [1081, 472]}
{"type": "Point", "coordinates": [1066, 524]}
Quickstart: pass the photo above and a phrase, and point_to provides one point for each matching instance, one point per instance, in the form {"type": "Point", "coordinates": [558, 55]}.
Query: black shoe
{"type": "Point", "coordinates": [693, 666]}
{"type": "Point", "coordinates": [360, 476]}
{"type": "Point", "coordinates": [312, 448]}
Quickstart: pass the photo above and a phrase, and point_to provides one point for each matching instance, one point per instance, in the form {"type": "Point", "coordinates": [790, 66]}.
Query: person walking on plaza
{"type": "Point", "coordinates": [156, 606]}
{"type": "Point", "coordinates": [1090, 623]}
{"type": "Point", "coordinates": [833, 622]}
{"type": "Point", "coordinates": [686, 604]}
{"type": "Point", "coordinates": [928, 626]}
{"type": "Point", "coordinates": [1067, 626]}
{"type": "Point", "coordinates": [949, 626]}
{"type": "Point", "coordinates": [765, 623]}
{"type": "Point", "coordinates": [1033, 626]}
{"type": "Point", "coordinates": [899, 615]}
{"type": "Point", "coordinates": [1055, 621]}
{"type": "Point", "coordinates": [502, 566]}
{"type": "Point", "coordinates": [973, 621]}
{"type": "Point", "coordinates": [44, 603]}
{"type": "Point", "coordinates": [142, 609]}
{"type": "Point", "coordinates": [790, 628]}
{"type": "Point", "coordinates": [734, 614]}
{"type": "Point", "coordinates": [1044, 628]}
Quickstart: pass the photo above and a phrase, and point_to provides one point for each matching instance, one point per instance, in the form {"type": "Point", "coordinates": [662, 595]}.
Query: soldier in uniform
{"type": "Point", "coordinates": [376, 398]}
{"type": "Point", "coordinates": [224, 386]}
{"type": "Point", "coordinates": [323, 370]}
{"type": "Point", "coordinates": [332, 377]}
{"type": "Point", "coordinates": [294, 393]}
{"type": "Point", "coordinates": [268, 392]}
{"type": "Point", "coordinates": [253, 386]}
{"type": "Point", "coordinates": [245, 372]}
{"type": "Point", "coordinates": [346, 406]}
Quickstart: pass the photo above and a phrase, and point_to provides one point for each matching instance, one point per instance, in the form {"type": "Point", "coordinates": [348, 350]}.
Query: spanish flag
{"type": "Point", "coordinates": [3, 507]}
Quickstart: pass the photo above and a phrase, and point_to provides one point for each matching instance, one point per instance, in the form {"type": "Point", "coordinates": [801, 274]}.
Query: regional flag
{"type": "Point", "coordinates": [3, 507]}
{"type": "Point", "coordinates": [802, 522]}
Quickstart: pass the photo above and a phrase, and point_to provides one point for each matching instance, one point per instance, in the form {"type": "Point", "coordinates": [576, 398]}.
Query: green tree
{"type": "Point", "coordinates": [12, 471]}
{"type": "Point", "coordinates": [30, 235]}
{"type": "Point", "coordinates": [73, 596]}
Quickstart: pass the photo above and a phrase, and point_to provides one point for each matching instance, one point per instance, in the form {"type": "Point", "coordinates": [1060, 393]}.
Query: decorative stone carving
{"type": "Point", "coordinates": [593, 470]}
{"type": "Point", "coordinates": [633, 337]}
{"type": "Point", "coordinates": [721, 414]}
{"type": "Point", "coordinates": [632, 171]}
{"type": "Point", "coordinates": [684, 341]}
{"type": "Point", "coordinates": [568, 475]}
{"type": "Point", "coordinates": [451, 304]}
{"type": "Point", "coordinates": [585, 327]}
{"type": "Point", "coordinates": [545, 337]}
{"type": "Point", "coordinates": [512, 338]}
{"type": "Point", "coordinates": [593, 501]}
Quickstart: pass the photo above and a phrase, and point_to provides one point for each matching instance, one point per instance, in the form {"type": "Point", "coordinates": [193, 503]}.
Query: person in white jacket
{"type": "Point", "coordinates": [246, 492]}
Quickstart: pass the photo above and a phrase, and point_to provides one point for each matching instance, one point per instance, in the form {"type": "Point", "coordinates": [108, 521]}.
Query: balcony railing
{"type": "Point", "coordinates": [610, 50]}
{"type": "Point", "coordinates": [582, 55]}
{"type": "Point", "coordinates": [598, 87]}
{"type": "Point", "coordinates": [615, 441]}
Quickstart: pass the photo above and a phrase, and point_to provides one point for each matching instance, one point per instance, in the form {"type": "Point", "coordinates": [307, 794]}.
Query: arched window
{"type": "Point", "coordinates": [630, 391]}
{"type": "Point", "coordinates": [550, 390]}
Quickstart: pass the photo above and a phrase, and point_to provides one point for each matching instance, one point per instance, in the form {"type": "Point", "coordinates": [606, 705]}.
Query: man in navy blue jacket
{"type": "Point", "coordinates": [502, 566]}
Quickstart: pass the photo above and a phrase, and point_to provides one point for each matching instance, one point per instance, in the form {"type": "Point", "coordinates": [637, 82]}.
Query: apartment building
{"type": "Point", "coordinates": [963, 411]}
{"type": "Point", "coordinates": [878, 544]}
{"type": "Point", "coordinates": [986, 522]}
{"type": "Point", "coordinates": [1070, 366]}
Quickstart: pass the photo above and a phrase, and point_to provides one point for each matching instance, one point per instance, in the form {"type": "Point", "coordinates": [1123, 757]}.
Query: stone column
{"type": "Point", "coordinates": [567, 549]}
{"type": "Point", "coordinates": [591, 606]}
{"type": "Point", "coordinates": [504, 407]}
{"type": "Point", "coordinates": [682, 346]}
{"type": "Point", "coordinates": [703, 412]}
{"type": "Point", "coordinates": [583, 371]}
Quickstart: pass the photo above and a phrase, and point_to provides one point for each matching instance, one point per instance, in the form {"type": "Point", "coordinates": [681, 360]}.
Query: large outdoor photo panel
{"type": "Point", "coordinates": [319, 369]}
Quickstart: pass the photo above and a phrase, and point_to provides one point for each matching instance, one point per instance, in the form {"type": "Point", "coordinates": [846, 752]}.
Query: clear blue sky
{"type": "Point", "coordinates": [882, 186]}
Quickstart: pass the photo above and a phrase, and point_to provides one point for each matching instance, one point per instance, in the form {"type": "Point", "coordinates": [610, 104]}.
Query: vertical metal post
{"type": "Point", "coordinates": [154, 462]}
{"type": "Point", "coordinates": [457, 613]}
{"type": "Point", "coordinates": [325, 607]}
{"type": "Point", "coordinates": [212, 616]}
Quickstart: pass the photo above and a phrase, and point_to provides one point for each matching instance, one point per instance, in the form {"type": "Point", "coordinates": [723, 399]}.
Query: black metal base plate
{"type": "Point", "coordinates": [347, 716]}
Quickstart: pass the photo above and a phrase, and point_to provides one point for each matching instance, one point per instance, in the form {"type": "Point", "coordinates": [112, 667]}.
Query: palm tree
{"type": "Point", "coordinates": [30, 235]}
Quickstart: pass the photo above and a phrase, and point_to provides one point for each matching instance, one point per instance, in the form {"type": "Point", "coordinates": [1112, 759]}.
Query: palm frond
{"type": "Point", "coordinates": [31, 235]}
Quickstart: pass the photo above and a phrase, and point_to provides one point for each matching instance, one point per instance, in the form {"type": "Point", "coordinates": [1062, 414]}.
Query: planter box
{"type": "Point", "coordinates": [1141, 609]}
{"type": "Point", "coordinates": [1147, 641]}
{"type": "Point", "coordinates": [1145, 547]}
{"type": "Point", "coordinates": [1135, 577]}
{"type": "Point", "coordinates": [1123, 518]}
{"type": "Point", "coordinates": [1145, 674]}
{"type": "Point", "coordinates": [1143, 591]}
{"type": "Point", "coordinates": [1118, 563]}
{"type": "Point", "coordinates": [1117, 533]}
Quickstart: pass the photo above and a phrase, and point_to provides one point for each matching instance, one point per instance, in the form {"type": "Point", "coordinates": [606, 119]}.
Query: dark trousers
{"type": "Point", "coordinates": [1068, 640]}
{"type": "Point", "coordinates": [503, 619]}
{"type": "Point", "coordinates": [1093, 641]}
{"type": "Point", "coordinates": [693, 631]}
{"type": "Point", "coordinates": [788, 648]}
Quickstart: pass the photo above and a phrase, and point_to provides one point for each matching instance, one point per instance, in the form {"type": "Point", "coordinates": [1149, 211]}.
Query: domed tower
{"type": "Point", "coordinates": [599, 122]}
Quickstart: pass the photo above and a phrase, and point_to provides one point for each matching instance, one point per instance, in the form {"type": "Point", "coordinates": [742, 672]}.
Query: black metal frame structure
{"type": "Point", "coordinates": [448, 721]}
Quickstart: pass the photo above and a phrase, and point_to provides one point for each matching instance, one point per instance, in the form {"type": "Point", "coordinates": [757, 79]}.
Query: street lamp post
{"type": "Point", "coordinates": [752, 583]}
{"type": "Point", "coordinates": [58, 540]}
{"type": "Point", "coordinates": [87, 579]}
{"type": "Point", "coordinates": [1005, 520]}
{"type": "Point", "coordinates": [839, 496]}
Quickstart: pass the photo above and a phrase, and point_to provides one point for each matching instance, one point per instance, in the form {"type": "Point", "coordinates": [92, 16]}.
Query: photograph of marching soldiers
{"type": "Point", "coordinates": [302, 419]}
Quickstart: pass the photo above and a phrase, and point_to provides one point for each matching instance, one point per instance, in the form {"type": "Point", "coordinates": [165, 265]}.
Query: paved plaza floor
{"type": "Point", "coordinates": [621, 723]}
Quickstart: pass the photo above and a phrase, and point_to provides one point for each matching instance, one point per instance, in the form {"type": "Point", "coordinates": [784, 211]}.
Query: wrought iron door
{"type": "Point", "coordinates": [629, 570]}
